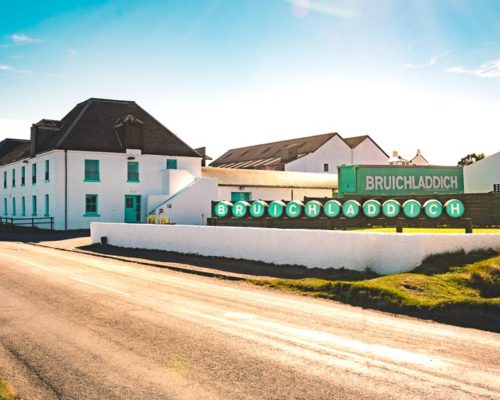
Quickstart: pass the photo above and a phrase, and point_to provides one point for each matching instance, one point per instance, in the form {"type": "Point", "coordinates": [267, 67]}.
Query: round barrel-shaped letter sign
{"type": "Point", "coordinates": [411, 208]}
{"type": "Point", "coordinates": [275, 209]}
{"type": "Point", "coordinates": [312, 208]}
{"type": "Point", "coordinates": [454, 208]}
{"type": "Point", "coordinates": [433, 208]}
{"type": "Point", "coordinates": [258, 208]}
{"type": "Point", "coordinates": [391, 208]}
{"type": "Point", "coordinates": [221, 209]}
{"type": "Point", "coordinates": [350, 208]}
{"type": "Point", "coordinates": [371, 208]}
{"type": "Point", "coordinates": [332, 208]}
{"type": "Point", "coordinates": [293, 208]}
{"type": "Point", "coordinates": [239, 209]}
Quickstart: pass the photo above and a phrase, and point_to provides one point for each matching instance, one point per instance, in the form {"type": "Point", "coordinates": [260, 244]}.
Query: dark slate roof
{"type": "Point", "coordinates": [13, 149]}
{"type": "Point", "coordinates": [269, 154]}
{"type": "Point", "coordinates": [355, 141]}
{"type": "Point", "coordinates": [91, 126]}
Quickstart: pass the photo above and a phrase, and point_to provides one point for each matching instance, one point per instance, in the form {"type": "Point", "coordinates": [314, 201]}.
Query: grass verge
{"type": "Point", "coordinates": [6, 391]}
{"type": "Point", "coordinates": [457, 288]}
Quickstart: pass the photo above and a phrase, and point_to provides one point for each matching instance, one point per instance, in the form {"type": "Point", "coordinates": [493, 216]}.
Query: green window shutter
{"type": "Point", "coordinates": [33, 174]}
{"type": "Point", "coordinates": [5, 179]}
{"type": "Point", "coordinates": [5, 211]}
{"type": "Point", "coordinates": [47, 174]}
{"type": "Point", "coordinates": [92, 171]}
{"type": "Point", "coordinates": [33, 206]}
{"type": "Point", "coordinates": [14, 211]}
{"type": "Point", "coordinates": [23, 206]}
{"type": "Point", "coordinates": [171, 163]}
{"type": "Point", "coordinates": [132, 171]}
{"type": "Point", "coordinates": [47, 206]}
{"type": "Point", "coordinates": [23, 175]}
{"type": "Point", "coordinates": [13, 178]}
{"type": "Point", "coordinates": [237, 196]}
{"type": "Point", "coordinates": [91, 208]}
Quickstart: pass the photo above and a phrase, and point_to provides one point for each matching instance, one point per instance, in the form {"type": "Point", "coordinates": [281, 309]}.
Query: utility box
{"type": "Point", "coordinates": [379, 180]}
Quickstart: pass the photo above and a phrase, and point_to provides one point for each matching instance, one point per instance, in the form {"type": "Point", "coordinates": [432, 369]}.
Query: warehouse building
{"type": "Point", "coordinates": [319, 153]}
{"type": "Point", "coordinates": [483, 176]}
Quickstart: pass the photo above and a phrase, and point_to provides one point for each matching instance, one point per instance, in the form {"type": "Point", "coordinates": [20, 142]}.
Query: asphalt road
{"type": "Point", "coordinates": [76, 326]}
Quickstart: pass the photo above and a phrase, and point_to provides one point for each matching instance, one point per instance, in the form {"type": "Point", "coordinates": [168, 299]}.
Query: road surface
{"type": "Point", "coordinates": [76, 326]}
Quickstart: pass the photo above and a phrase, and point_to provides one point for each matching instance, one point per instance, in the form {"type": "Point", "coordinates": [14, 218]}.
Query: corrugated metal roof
{"type": "Point", "coordinates": [260, 178]}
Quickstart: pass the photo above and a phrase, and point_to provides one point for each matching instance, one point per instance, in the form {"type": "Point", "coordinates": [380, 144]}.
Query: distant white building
{"type": "Point", "coordinates": [483, 176]}
{"type": "Point", "coordinates": [106, 160]}
{"type": "Point", "coordinates": [247, 184]}
{"type": "Point", "coordinates": [419, 159]}
{"type": "Point", "coordinates": [318, 154]}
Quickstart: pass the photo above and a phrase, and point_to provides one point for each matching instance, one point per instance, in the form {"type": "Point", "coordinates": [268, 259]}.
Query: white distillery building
{"type": "Point", "coordinates": [483, 176]}
{"type": "Point", "coordinates": [319, 154]}
{"type": "Point", "coordinates": [247, 184]}
{"type": "Point", "coordinates": [106, 160]}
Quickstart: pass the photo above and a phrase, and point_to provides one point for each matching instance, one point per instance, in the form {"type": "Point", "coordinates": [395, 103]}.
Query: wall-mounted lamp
{"type": "Point", "coordinates": [25, 162]}
{"type": "Point", "coordinates": [130, 158]}
{"type": "Point", "coordinates": [242, 187]}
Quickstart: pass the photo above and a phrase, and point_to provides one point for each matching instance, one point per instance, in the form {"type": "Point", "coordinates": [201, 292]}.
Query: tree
{"type": "Point", "coordinates": [470, 159]}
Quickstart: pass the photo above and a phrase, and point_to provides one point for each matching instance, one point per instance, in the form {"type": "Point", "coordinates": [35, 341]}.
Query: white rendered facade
{"type": "Point", "coordinates": [482, 175]}
{"type": "Point", "coordinates": [67, 188]}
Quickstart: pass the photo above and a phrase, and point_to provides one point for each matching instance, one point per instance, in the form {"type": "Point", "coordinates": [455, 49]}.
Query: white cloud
{"type": "Point", "coordinates": [21, 38]}
{"type": "Point", "coordinates": [432, 61]}
{"type": "Point", "coordinates": [490, 69]}
{"type": "Point", "coordinates": [12, 69]}
{"type": "Point", "coordinates": [300, 8]}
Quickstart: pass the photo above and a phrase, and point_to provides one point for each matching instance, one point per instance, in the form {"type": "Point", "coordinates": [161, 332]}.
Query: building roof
{"type": "Point", "coordinates": [268, 154]}
{"type": "Point", "coordinates": [13, 149]}
{"type": "Point", "coordinates": [273, 179]}
{"type": "Point", "coordinates": [92, 126]}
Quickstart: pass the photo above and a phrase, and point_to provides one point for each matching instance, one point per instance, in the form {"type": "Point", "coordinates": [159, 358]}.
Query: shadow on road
{"type": "Point", "coordinates": [231, 265]}
{"type": "Point", "coordinates": [19, 234]}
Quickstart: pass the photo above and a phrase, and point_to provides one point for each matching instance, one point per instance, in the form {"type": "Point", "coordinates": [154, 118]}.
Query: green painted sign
{"type": "Point", "coordinates": [275, 209]}
{"type": "Point", "coordinates": [454, 208]}
{"type": "Point", "coordinates": [293, 209]}
{"type": "Point", "coordinates": [372, 208]}
{"type": "Point", "coordinates": [258, 209]}
{"type": "Point", "coordinates": [391, 208]}
{"type": "Point", "coordinates": [399, 180]}
{"type": "Point", "coordinates": [312, 209]}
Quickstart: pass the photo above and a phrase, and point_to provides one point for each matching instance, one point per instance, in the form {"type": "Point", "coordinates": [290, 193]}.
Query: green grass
{"type": "Point", "coordinates": [433, 230]}
{"type": "Point", "coordinates": [461, 289]}
{"type": "Point", "coordinates": [6, 392]}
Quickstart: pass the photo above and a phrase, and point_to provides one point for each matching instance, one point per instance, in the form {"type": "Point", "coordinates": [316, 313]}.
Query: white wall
{"type": "Point", "coordinates": [262, 193]}
{"type": "Point", "coordinates": [367, 153]}
{"type": "Point", "coordinates": [385, 253]}
{"type": "Point", "coordinates": [334, 153]}
{"type": "Point", "coordinates": [192, 205]}
{"type": "Point", "coordinates": [480, 176]}
{"type": "Point", "coordinates": [113, 185]}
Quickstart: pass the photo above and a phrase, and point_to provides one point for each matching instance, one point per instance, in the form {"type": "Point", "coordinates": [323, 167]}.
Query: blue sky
{"type": "Point", "coordinates": [228, 73]}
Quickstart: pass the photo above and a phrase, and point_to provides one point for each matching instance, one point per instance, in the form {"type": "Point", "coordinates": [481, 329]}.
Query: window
{"type": "Point", "coordinates": [13, 178]}
{"type": "Point", "coordinates": [91, 205]}
{"type": "Point", "coordinates": [33, 174]}
{"type": "Point", "coordinates": [236, 196]}
{"type": "Point", "coordinates": [23, 206]}
{"type": "Point", "coordinates": [326, 168]}
{"type": "Point", "coordinates": [5, 179]}
{"type": "Point", "coordinates": [5, 206]}
{"type": "Point", "coordinates": [172, 163]}
{"type": "Point", "coordinates": [47, 175]}
{"type": "Point", "coordinates": [92, 171]}
{"type": "Point", "coordinates": [46, 213]}
{"type": "Point", "coordinates": [14, 211]}
{"type": "Point", "coordinates": [132, 171]}
{"type": "Point", "coordinates": [23, 175]}
{"type": "Point", "coordinates": [33, 206]}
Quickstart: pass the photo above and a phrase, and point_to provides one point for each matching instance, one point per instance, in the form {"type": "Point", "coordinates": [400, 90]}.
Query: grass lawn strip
{"type": "Point", "coordinates": [461, 289]}
{"type": "Point", "coordinates": [6, 391]}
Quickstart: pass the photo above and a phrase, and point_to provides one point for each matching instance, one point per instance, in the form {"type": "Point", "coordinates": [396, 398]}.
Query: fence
{"type": "Point", "coordinates": [32, 222]}
{"type": "Point", "coordinates": [481, 210]}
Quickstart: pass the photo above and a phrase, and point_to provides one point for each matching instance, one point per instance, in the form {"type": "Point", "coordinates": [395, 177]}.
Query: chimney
{"type": "Point", "coordinates": [395, 153]}
{"type": "Point", "coordinates": [289, 153]}
{"type": "Point", "coordinates": [33, 140]}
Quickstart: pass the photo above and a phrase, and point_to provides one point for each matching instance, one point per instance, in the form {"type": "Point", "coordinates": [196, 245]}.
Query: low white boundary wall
{"type": "Point", "coordinates": [384, 253]}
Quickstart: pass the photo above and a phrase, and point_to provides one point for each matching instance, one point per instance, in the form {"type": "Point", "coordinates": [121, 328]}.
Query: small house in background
{"type": "Point", "coordinates": [398, 160]}
{"type": "Point", "coordinates": [318, 154]}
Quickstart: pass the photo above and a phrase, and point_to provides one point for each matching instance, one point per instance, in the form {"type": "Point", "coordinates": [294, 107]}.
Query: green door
{"type": "Point", "coordinates": [132, 209]}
